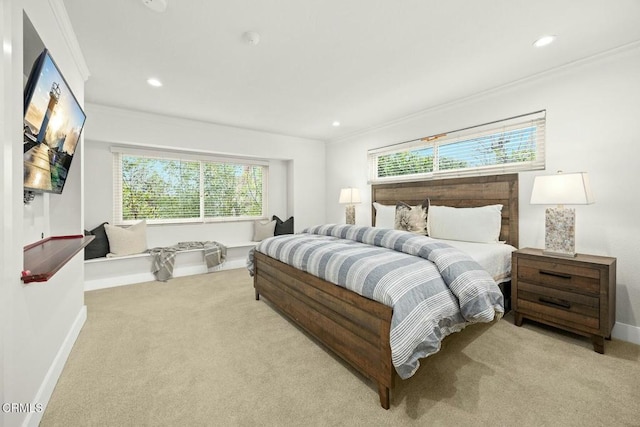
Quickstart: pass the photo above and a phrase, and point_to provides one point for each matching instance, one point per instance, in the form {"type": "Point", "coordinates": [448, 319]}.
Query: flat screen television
{"type": "Point", "coordinates": [53, 121]}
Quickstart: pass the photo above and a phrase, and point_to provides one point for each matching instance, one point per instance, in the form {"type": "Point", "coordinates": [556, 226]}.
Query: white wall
{"type": "Point", "coordinates": [10, 188]}
{"type": "Point", "coordinates": [291, 160]}
{"type": "Point", "coordinates": [41, 320]}
{"type": "Point", "coordinates": [592, 125]}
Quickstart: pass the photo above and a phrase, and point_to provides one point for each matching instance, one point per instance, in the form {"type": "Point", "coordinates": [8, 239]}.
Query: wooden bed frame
{"type": "Point", "coordinates": [357, 328]}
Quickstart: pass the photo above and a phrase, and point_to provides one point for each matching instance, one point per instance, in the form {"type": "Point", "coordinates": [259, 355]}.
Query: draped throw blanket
{"type": "Point", "coordinates": [433, 288]}
{"type": "Point", "coordinates": [163, 258]}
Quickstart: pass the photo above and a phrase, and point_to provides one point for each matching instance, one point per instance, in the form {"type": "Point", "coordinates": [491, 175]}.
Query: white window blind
{"type": "Point", "coordinates": [502, 146]}
{"type": "Point", "coordinates": [176, 188]}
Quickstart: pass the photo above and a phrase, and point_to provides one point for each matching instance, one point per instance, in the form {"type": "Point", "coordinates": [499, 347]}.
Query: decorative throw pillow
{"type": "Point", "coordinates": [385, 215]}
{"type": "Point", "coordinates": [263, 229]}
{"type": "Point", "coordinates": [127, 241]}
{"type": "Point", "coordinates": [412, 218]}
{"type": "Point", "coordinates": [283, 227]}
{"type": "Point", "coordinates": [99, 246]}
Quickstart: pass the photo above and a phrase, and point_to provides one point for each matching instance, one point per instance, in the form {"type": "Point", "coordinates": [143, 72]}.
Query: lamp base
{"type": "Point", "coordinates": [559, 238]}
{"type": "Point", "coordinates": [350, 214]}
{"type": "Point", "coordinates": [559, 254]}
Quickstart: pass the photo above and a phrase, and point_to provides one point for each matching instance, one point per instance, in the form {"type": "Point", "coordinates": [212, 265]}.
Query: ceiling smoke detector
{"type": "Point", "coordinates": [156, 5]}
{"type": "Point", "coordinates": [251, 37]}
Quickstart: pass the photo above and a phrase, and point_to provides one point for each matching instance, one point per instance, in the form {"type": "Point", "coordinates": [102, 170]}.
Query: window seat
{"type": "Point", "coordinates": [106, 272]}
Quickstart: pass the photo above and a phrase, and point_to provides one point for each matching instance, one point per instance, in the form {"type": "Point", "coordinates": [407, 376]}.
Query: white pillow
{"type": "Point", "coordinates": [466, 224]}
{"type": "Point", "coordinates": [127, 241]}
{"type": "Point", "coordinates": [385, 216]}
{"type": "Point", "coordinates": [263, 229]}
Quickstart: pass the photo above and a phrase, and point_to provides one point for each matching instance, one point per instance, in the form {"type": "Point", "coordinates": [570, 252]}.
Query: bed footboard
{"type": "Point", "coordinates": [354, 327]}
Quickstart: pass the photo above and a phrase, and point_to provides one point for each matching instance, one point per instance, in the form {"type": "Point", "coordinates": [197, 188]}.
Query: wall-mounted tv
{"type": "Point", "coordinates": [53, 121]}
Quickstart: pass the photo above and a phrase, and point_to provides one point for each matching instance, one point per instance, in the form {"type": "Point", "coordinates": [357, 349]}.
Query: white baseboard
{"type": "Point", "coordinates": [51, 378]}
{"type": "Point", "coordinates": [129, 279]}
{"type": "Point", "coordinates": [626, 332]}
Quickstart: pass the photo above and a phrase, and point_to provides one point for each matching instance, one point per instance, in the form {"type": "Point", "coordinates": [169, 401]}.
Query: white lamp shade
{"type": "Point", "coordinates": [562, 189]}
{"type": "Point", "coordinates": [349, 196]}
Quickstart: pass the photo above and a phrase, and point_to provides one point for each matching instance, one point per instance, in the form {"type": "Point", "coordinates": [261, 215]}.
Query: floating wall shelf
{"type": "Point", "coordinates": [44, 258]}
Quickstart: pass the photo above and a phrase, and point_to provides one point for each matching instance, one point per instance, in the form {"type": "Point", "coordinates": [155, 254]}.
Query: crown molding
{"type": "Point", "coordinates": [62, 18]}
{"type": "Point", "coordinates": [543, 74]}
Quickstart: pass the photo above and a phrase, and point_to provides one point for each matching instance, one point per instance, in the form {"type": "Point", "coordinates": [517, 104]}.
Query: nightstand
{"type": "Point", "coordinates": [575, 294]}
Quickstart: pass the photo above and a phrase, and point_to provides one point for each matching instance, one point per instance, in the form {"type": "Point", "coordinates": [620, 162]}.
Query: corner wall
{"type": "Point", "coordinates": [40, 321]}
{"type": "Point", "coordinates": [592, 115]}
{"type": "Point", "coordinates": [10, 188]}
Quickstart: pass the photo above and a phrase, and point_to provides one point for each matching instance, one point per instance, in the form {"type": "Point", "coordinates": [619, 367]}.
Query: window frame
{"type": "Point", "coordinates": [119, 152]}
{"type": "Point", "coordinates": [435, 142]}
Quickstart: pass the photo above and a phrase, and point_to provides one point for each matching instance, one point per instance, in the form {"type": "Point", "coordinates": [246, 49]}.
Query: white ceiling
{"type": "Point", "coordinates": [362, 62]}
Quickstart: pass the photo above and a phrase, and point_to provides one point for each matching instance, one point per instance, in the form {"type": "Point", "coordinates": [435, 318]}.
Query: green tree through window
{"type": "Point", "coordinates": [503, 146]}
{"type": "Point", "coordinates": [177, 190]}
{"type": "Point", "coordinates": [232, 190]}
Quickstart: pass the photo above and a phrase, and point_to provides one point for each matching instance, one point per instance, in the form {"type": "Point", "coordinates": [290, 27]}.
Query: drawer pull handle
{"type": "Point", "coordinates": [554, 274]}
{"type": "Point", "coordinates": [555, 302]}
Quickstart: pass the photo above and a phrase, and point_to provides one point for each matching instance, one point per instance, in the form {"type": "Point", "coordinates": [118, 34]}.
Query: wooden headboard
{"type": "Point", "coordinates": [461, 193]}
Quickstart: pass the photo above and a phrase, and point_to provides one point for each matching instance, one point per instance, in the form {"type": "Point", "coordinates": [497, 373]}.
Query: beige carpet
{"type": "Point", "coordinates": [200, 351]}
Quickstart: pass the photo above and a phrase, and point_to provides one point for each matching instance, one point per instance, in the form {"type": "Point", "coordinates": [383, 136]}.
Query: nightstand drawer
{"type": "Point", "coordinates": [560, 300]}
{"type": "Point", "coordinates": [568, 277]}
{"type": "Point", "coordinates": [558, 316]}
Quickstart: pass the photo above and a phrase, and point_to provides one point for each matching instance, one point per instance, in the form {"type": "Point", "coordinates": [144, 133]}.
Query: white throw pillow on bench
{"type": "Point", "coordinates": [127, 241]}
{"type": "Point", "coordinates": [263, 229]}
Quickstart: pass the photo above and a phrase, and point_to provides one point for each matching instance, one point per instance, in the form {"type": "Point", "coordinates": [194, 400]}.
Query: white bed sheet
{"type": "Point", "coordinates": [493, 257]}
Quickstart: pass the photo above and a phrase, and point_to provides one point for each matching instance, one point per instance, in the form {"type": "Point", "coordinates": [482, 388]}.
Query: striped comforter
{"type": "Point", "coordinates": [433, 288]}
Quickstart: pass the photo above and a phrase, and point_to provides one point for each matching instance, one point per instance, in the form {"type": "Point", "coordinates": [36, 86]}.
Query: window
{"type": "Point", "coordinates": [499, 147]}
{"type": "Point", "coordinates": [173, 188]}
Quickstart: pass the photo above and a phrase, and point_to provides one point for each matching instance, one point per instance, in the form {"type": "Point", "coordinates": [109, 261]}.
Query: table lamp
{"type": "Point", "coordinates": [350, 196]}
{"type": "Point", "coordinates": [560, 222]}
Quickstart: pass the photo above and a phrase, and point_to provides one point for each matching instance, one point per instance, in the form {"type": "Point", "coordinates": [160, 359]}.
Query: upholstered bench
{"type": "Point", "coordinates": [124, 270]}
{"type": "Point", "coordinates": [132, 265]}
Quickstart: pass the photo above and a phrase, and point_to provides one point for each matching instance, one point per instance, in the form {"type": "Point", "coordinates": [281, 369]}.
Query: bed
{"type": "Point", "coordinates": [357, 328]}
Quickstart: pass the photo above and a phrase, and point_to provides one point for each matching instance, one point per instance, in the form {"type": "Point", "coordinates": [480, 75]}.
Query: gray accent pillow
{"type": "Point", "coordinates": [99, 246]}
{"type": "Point", "coordinates": [283, 227]}
{"type": "Point", "coordinates": [412, 218]}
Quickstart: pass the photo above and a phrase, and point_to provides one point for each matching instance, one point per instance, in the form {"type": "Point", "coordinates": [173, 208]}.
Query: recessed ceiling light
{"type": "Point", "coordinates": [335, 123]}
{"type": "Point", "coordinates": [156, 5]}
{"type": "Point", "coordinates": [154, 82]}
{"type": "Point", "coordinates": [544, 41]}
